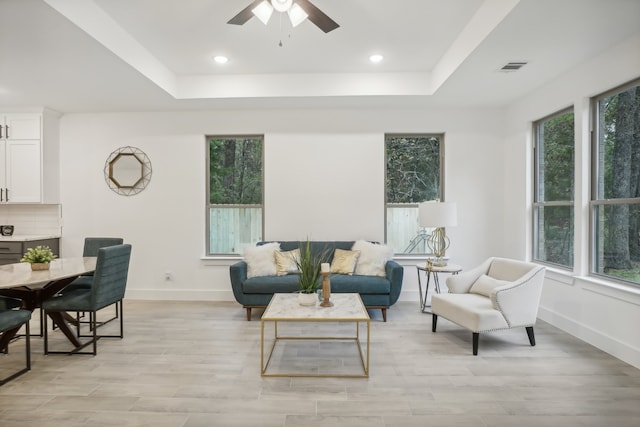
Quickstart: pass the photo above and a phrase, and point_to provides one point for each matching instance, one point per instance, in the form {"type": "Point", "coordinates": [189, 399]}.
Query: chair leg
{"type": "Point", "coordinates": [93, 317]}
{"type": "Point", "coordinates": [28, 345]}
{"type": "Point", "coordinates": [42, 322]}
{"type": "Point", "coordinates": [248, 314]}
{"type": "Point", "coordinates": [384, 314]}
{"type": "Point", "coordinates": [434, 322]}
{"type": "Point", "coordinates": [46, 332]}
{"type": "Point", "coordinates": [121, 315]}
{"type": "Point", "coordinates": [532, 337]}
{"type": "Point", "coordinates": [476, 338]}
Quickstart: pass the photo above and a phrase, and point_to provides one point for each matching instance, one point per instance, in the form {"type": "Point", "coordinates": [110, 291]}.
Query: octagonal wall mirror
{"type": "Point", "coordinates": [127, 171]}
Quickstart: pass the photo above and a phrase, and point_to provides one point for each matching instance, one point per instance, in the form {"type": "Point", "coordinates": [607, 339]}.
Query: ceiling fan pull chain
{"type": "Point", "coordinates": [280, 44]}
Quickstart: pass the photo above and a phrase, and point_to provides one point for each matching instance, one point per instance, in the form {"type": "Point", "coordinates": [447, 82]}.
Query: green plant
{"type": "Point", "coordinates": [309, 266]}
{"type": "Point", "coordinates": [39, 254]}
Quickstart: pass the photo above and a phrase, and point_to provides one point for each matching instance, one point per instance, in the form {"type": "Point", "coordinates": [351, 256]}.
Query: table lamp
{"type": "Point", "coordinates": [437, 215]}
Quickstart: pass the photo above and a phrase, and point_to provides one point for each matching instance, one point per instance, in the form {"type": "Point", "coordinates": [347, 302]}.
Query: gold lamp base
{"type": "Point", "coordinates": [436, 263]}
{"type": "Point", "coordinates": [438, 243]}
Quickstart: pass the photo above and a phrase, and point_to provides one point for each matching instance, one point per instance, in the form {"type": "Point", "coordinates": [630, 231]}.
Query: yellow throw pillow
{"type": "Point", "coordinates": [286, 262]}
{"type": "Point", "coordinates": [344, 262]}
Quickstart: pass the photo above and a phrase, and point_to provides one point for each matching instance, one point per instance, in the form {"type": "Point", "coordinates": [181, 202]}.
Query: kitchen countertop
{"type": "Point", "coordinates": [27, 237]}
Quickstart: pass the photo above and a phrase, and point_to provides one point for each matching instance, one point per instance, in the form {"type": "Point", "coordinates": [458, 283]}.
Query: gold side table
{"type": "Point", "coordinates": [433, 271]}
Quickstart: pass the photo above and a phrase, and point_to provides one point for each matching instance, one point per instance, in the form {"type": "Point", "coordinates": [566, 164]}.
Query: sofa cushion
{"type": "Point", "coordinates": [286, 262]}
{"type": "Point", "coordinates": [359, 284]}
{"type": "Point", "coordinates": [485, 284]}
{"type": "Point", "coordinates": [261, 260]}
{"type": "Point", "coordinates": [344, 262]}
{"type": "Point", "coordinates": [339, 283]}
{"type": "Point", "coordinates": [471, 311]}
{"type": "Point", "coordinates": [373, 258]}
{"type": "Point", "coordinates": [271, 284]}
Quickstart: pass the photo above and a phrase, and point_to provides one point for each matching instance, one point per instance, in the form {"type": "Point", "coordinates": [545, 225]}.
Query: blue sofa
{"type": "Point", "coordinates": [376, 292]}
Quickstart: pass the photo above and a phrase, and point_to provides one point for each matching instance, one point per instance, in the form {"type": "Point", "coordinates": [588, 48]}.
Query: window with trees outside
{"type": "Point", "coordinates": [615, 200]}
{"type": "Point", "coordinates": [414, 174]}
{"type": "Point", "coordinates": [234, 193]}
{"type": "Point", "coordinates": [554, 189]}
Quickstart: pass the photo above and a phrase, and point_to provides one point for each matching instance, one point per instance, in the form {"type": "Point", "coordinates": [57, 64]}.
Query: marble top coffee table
{"type": "Point", "coordinates": [291, 321]}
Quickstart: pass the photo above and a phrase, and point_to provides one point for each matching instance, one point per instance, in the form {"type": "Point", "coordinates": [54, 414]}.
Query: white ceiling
{"type": "Point", "coordinates": [150, 55]}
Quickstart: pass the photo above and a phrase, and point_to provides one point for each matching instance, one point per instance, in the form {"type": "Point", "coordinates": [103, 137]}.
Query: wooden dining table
{"type": "Point", "coordinates": [33, 287]}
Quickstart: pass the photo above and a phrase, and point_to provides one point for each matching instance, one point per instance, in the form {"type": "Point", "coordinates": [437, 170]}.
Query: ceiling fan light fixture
{"type": "Point", "coordinates": [263, 11]}
{"type": "Point", "coordinates": [296, 15]}
{"type": "Point", "coordinates": [281, 5]}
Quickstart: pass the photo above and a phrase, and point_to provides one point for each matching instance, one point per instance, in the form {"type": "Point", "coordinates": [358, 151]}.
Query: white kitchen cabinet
{"type": "Point", "coordinates": [21, 127]}
{"type": "Point", "coordinates": [23, 174]}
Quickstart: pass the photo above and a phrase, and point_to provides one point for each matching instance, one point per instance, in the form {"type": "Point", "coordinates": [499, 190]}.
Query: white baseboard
{"type": "Point", "coordinates": [180, 295]}
{"type": "Point", "coordinates": [596, 338]}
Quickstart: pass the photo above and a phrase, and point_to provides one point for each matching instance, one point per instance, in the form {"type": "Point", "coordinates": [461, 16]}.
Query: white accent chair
{"type": "Point", "coordinates": [499, 294]}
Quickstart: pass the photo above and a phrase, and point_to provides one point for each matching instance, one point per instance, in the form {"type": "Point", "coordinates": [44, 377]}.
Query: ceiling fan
{"type": "Point", "coordinates": [298, 11]}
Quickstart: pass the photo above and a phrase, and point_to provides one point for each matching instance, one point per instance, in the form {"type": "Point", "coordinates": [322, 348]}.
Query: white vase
{"type": "Point", "coordinates": [307, 299]}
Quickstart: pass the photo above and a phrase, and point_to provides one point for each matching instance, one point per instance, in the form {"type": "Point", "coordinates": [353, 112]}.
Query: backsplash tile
{"type": "Point", "coordinates": [32, 219]}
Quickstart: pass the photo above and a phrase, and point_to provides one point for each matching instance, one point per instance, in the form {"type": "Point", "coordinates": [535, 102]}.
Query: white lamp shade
{"type": "Point", "coordinates": [437, 214]}
{"type": "Point", "coordinates": [263, 11]}
{"type": "Point", "coordinates": [296, 15]}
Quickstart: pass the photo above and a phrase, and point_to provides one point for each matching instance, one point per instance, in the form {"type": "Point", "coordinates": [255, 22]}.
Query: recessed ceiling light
{"type": "Point", "coordinates": [221, 59]}
{"type": "Point", "coordinates": [376, 58]}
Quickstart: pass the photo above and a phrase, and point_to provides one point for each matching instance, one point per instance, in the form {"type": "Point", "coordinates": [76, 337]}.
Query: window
{"type": "Point", "coordinates": [414, 174]}
{"type": "Point", "coordinates": [234, 193]}
{"type": "Point", "coordinates": [554, 189]}
{"type": "Point", "coordinates": [615, 200]}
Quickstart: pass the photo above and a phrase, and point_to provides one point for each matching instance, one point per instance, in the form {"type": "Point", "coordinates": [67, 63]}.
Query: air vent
{"type": "Point", "coordinates": [513, 66]}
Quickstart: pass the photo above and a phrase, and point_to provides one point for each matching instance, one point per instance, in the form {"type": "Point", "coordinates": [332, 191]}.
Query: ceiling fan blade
{"type": "Point", "coordinates": [245, 14]}
{"type": "Point", "coordinates": [317, 16]}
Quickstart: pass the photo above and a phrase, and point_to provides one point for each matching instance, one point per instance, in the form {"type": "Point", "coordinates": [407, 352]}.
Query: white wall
{"type": "Point", "coordinates": [321, 185]}
{"type": "Point", "coordinates": [603, 314]}
{"type": "Point", "coordinates": [339, 154]}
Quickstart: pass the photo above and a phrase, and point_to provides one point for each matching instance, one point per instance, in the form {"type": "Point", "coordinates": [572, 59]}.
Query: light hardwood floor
{"type": "Point", "coordinates": [198, 364]}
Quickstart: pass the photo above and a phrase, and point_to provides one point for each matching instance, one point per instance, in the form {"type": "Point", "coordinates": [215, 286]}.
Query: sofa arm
{"type": "Point", "coordinates": [518, 301]}
{"type": "Point", "coordinates": [395, 273]}
{"type": "Point", "coordinates": [462, 282]}
{"type": "Point", "coordinates": [238, 274]}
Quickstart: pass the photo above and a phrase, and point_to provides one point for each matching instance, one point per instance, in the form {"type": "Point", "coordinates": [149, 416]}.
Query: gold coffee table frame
{"type": "Point", "coordinates": [347, 307]}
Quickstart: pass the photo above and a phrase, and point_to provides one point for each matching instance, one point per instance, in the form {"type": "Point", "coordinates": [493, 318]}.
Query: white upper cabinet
{"type": "Point", "coordinates": [21, 127]}
{"type": "Point", "coordinates": [22, 170]}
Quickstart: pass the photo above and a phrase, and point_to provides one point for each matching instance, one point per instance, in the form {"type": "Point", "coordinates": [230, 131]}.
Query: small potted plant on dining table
{"type": "Point", "coordinates": [39, 257]}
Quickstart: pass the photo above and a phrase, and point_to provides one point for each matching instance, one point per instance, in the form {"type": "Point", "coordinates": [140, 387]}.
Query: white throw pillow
{"type": "Point", "coordinates": [485, 284]}
{"type": "Point", "coordinates": [373, 258]}
{"type": "Point", "coordinates": [261, 260]}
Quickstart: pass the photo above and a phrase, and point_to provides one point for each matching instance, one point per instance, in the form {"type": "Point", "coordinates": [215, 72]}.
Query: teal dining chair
{"type": "Point", "coordinates": [108, 287]}
{"type": "Point", "coordinates": [12, 318]}
{"type": "Point", "coordinates": [91, 246]}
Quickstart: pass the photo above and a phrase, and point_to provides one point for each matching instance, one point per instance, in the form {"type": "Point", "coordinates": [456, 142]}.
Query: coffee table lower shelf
{"type": "Point", "coordinates": [284, 309]}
